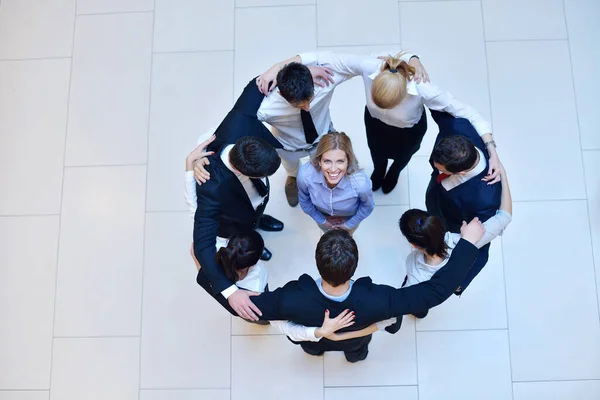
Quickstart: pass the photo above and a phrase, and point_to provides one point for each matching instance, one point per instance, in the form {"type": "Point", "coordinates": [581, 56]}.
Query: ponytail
{"type": "Point", "coordinates": [227, 260]}
{"type": "Point", "coordinates": [389, 87]}
{"type": "Point", "coordinates": [242, 251]}
{"type": "Point", "coordinates": [425, 231]}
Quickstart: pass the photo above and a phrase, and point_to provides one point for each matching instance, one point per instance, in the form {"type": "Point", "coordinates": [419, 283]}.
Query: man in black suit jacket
{"type": "Point", "coordinates": [232, 201]}
{"type": "Point", "coordinates": [304, 301]}
{"type": "Point", "coordinates": [460, 155]}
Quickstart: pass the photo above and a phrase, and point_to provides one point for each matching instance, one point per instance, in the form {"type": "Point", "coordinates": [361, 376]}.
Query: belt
{"type": "Point", "coordinates": [312, 146]}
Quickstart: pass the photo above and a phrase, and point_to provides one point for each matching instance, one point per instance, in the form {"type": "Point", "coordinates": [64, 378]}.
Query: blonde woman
{"type": "Point", "coordinates": [332, 189]}
{"type": "Point", "coordinates": [394, 114]}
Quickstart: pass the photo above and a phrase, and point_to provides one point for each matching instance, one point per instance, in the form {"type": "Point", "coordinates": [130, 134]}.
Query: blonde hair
{"type": "Point", "coordinates": [389, 87]}
{"type": "Point", "coordinates": [336, 141]}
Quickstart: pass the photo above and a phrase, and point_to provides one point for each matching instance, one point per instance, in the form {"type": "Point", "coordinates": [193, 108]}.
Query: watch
{"type": "Point", "coordinates": [492, 142]}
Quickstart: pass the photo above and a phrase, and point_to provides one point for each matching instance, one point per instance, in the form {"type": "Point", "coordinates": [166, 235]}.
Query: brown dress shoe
{"type": "Point", "coordinates": [291, 191]}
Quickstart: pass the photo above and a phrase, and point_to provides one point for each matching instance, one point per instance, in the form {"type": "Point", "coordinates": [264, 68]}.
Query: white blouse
{"type": "Point", "coordinates": [409, 111]}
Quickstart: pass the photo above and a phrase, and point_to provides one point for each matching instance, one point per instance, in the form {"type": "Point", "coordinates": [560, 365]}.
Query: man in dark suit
{"type": "Point", "coordinates": [458, 189]}
{"type": "Point", "coordinates": [304, 301]}
{"type": "Point", "coordinates": [232, 201]}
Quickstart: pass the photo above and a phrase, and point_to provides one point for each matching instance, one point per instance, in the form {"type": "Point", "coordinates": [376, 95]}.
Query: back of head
{"type": "Point", "coordinates": [425, 231]}
{"type": "Point", "coordinates": [336, 141]}
{"type": "Point", "coordinates": [389, 87]}
{"type": "Point", "coordinates": [456, 153]}
{"type": "Point", "coordinates": [242, 251]}
{"type": "Point", "coordinates": [295, 83]}
{"type": "Point", "coordinates": [337, 257]}
{"type": "Point", "coordinates": [254, 157]}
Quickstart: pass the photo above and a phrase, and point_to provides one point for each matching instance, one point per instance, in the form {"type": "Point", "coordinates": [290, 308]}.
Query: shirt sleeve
{"type": "Point", "coordinates": [365, 199]}
{"type": "Point", "coordinates": [190, 193]}
{"type": "Point", "coordinates": [494, 227]}
{"type": "Point", "coordinates": [344, 64]}
{"type": "Point", "coordinates": [304, 196]}
{"type": "Point", "coordinates": [298, 333]}
{"type": "Point", "coordinates": [441, 100]}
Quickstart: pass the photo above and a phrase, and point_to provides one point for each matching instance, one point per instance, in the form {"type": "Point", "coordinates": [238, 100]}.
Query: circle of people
{"type": "Point", "coordinates": [227, 190]}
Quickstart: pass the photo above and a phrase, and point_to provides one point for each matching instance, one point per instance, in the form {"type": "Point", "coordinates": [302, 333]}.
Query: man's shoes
{"type": "Point", "coordinates": [390, 180]}
{"type": "Point", "coordinates": [269, 224]}
{"type": "Point", "coordinates": [266, 255]}
{"type": "Point", "coordinates": [291, 191]}
{"type": "Point", "coordinates": [377, 179]}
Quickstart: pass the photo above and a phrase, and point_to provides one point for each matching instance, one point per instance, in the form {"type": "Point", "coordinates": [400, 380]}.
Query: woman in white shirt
{"type": "Point", "coordinates": [395, 120]}
{"type": "Point", "coordinates": [433, 246]}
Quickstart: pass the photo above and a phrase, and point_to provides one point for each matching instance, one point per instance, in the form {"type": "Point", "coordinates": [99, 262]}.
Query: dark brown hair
{"type": "Point", "coordinates": [337, 257]}
{"type": "Point", "coordinates": [456, 153]}
{"type": "Point", "coordinates": [424, 230]}
{"type": "Point", "coordinates": [242, 251]}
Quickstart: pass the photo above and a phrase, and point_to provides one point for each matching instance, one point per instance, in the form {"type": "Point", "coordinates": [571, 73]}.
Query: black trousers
{"type": "Point", "coordinates": [354, 350]}
{"type": "Point", "coordinates": [399, 144]}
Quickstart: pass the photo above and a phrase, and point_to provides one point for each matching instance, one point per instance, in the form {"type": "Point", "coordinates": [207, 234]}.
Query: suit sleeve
{"type": "Point", "coordinates": [206, 224]}
{"type": "Point", "coordinates": [270, 303]}
{"type": "Point", "coordinates": [249, 101]}
{"type": "Point", "coordinates": [435, 291]}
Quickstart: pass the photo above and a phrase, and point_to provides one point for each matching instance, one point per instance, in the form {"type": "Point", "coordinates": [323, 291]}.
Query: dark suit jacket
{"type": "Point", "coordinates": [471, 199]}
{"type": "Point", "coordinates": [223, 205]}
{"type": "Point", "coordinates": [301, 301]}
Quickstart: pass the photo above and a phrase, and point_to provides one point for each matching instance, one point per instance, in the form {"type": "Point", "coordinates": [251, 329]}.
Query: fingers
{"type": "Point", "coordinates": [208, 141]}
{"type": "Point", "coordinates": [318, 82]}
{"type": "Point", "coordinates": [254, 309]}
{"type": "Point", "coordinates": [495, 180]}
{"type": "Point", "coordinates": [241, 311]}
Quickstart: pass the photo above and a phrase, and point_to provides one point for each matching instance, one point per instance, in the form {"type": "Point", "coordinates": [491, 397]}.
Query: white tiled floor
{"type": "Point", "coordinates": [100, 101]}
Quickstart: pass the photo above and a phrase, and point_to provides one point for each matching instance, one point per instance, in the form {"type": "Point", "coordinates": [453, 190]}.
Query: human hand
{"type": "Point", "coordinates": [199, 152]}
{"type": "Point", "coordinates": [473, 231]}
{"type": "Point", "coordinates": [495, 170]}
{"type": "Point", "coordinates": [335, 221]}
{"type": "Point", "coordinates": [330, 326]}
{"type": "Point", "coordinates": [268, 80]}
{"type": "Point", "coordinates": [243, 306]}
{"type": "Point", "coordinates": [322, 76]}
{"type": "Point", "coordinates": [420, 71]}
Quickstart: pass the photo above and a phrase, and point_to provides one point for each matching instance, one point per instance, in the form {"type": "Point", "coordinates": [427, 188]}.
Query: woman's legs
{"type": "Point", "coordinates": [377, 149]}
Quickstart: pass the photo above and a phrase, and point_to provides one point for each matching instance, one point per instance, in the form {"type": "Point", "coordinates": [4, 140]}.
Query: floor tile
{"type": "Point", "coordinates": [373, 393]}
{"type": "Point", "coordinates": [584, 34]}
{"type": "Point", "coordinates": [185, 332]}
{"type": "Point", "coordinates": [180, 83]}
{"type": "Point", "coordinates": [32, 148]}
{"type": "Point", "coordinates": [101, 250]}
{"type": "Point", "coordinates": [108, 113]}
{"type": "Point", "coordinates": [27, 281]}
{"type": "Point", "coordinates": [460, 68]}
{"type": "Point", "coordinates": [24, 395]}
{"type": "Point", "coordinates": [591, 162]}
{"type": "Point", "coordinates": [343, 22]}
{"type": "Point", "coordinates": [36, 29]}
{"type": "Point", "coordinates": [521, 120]}
{"type": "Point", "coordinates": [253, 55]}
{"type": "Point", "coordinates": [570, 349]}
{"type": "Point", "coordinates": [524, 20]}
{"type": "Point", "coordinates": [95, 369]}
{"type": "Point", "coordinates": [580, 390]}
{"type": "Point", "coordinates": [113, 6]}
{"type": "Point", "coordinates": [271, 3]}
{"type": "Point", "coordinates": [207, 394]}
{"type": "Point", "coordinates": [292, 374]}
{"type": "Point", "coordinates": [391, 361]}
{"type": "Point", "coordinates": [482, 306]}
{"type": "Point", "coordinates": [464, 365]}
{"type": "Point", "coordinates": [419, 174]}
{"type": "Point", "coordinates": [183, 25]}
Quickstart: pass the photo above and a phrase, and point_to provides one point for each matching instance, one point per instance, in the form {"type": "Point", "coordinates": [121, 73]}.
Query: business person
{"type": "Point", "coordinates": [332, 190]}
{"type": "Point", "coordinates": [458, 188]}
{"type": "Point", "coordinates": [396, 90]}
{"type": "Point", "coordinates": [231, 202]}
{"type": "Point", "coordinates": [305, 300]}
{"type": "Point", "coordinates": [433, 245]}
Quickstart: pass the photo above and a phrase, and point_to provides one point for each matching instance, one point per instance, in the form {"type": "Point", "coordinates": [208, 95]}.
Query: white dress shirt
{"type": "Point", "coordinates": [285, 119]}
{"type": "Point", "coordinates": [409, 111]}
{"type": "Point", "coordinates": [454, 180]}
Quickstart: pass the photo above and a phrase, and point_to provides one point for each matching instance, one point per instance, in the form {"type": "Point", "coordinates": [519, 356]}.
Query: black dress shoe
{"type": "Point", "coordinates": [377, 179]}
{"type": "Point", "coordinates": [266, 255]}
{"type": "Point", "coordinates": [390, 180]}
{"type": "Point", "coordinates": [269, 224]}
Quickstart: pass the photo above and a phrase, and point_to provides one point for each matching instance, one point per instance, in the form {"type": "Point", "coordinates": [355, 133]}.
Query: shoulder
{"type": "Point", "coordinates": [306, 171]}
{"type": "Point", "coordinates": [360, 181]}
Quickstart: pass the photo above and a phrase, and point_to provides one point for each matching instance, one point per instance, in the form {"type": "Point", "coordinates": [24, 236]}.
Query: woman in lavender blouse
{"type": "Point", "coordinates": [331, 188]}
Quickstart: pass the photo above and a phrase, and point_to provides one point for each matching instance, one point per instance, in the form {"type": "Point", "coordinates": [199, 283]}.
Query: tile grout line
{"type": "Point", "coordinates": [587, 203]}
{"type": "Point", "coordinates": [146, 201]}
{"type": "Point", "coordinates": [62, 195]}
{"type": "Point", "coordinates": [487, 70]}
{"type": "Point", "coordinates": [232, 101]}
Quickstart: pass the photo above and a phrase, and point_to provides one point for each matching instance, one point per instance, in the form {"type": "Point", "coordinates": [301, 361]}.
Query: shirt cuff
{"type": "Point", "coordinates": [189, 176]}
{"type": "Point", "coordinates": [309, 58]}
{"type": "Point", "coordinates": [482, 128]}
{"type": "Point", "coordinates": [310, 334]}
{"type": "Point", "coordinates": [229, 291]}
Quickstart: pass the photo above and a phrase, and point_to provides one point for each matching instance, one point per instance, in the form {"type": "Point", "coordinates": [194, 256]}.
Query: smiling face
{"type": "Point", "coordinates": [334, 164]}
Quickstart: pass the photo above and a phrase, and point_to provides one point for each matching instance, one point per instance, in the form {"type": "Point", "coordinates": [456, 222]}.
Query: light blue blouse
{"type": "Point", "coordinates": [352, 197]}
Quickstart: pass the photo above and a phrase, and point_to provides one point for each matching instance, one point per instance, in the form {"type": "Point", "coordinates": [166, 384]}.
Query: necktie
{"type": "Point", "coordinates": [441, 177]}
{"type": "Point", "coordinates": [260, 186]}
{"type": "Point", "coordinates": [310, 132]}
